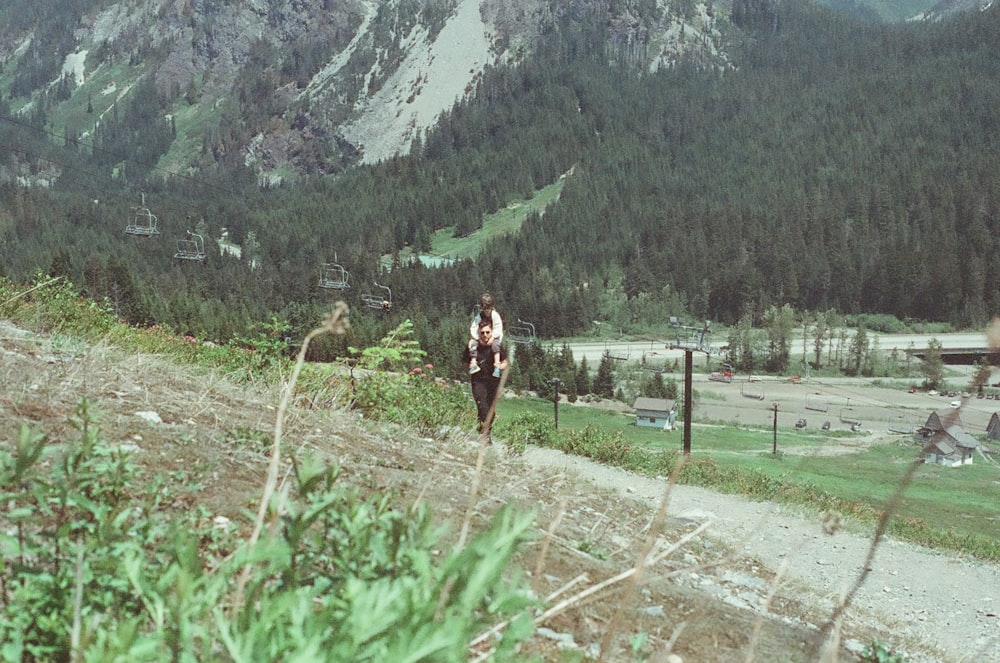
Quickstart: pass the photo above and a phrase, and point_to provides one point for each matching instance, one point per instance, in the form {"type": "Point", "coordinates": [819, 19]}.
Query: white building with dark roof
{"type": "Point", "coordinates": [944, 440]}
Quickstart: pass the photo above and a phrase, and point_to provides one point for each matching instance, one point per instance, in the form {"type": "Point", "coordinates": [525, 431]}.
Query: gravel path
{"type": "Point", "coordinates": [931, 600]}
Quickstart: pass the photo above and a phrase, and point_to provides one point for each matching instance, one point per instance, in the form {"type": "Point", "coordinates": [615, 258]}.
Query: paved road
{"type": "Point", "coordinates": [656, 351]}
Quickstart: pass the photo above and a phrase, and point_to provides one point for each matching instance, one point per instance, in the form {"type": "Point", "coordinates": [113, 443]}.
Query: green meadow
{"type": "Point", "coordinates": [954, 508]}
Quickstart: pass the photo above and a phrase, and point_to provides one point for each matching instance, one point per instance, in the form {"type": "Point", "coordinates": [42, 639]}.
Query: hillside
{"type": "Point", "coordinates": [722, 163]}
{"type": "Point", "coordinates": [748, 581]}
{"type": "Point", "coordinates": [317, 88]}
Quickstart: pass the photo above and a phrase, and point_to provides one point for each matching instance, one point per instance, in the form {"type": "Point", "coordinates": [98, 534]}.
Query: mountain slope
{"type": "Point", "coordinates": [432, 76]}
{"type": "Point", "coordinates": [709, 600]}
{"type": "Point", "coordinates": [295, 87]}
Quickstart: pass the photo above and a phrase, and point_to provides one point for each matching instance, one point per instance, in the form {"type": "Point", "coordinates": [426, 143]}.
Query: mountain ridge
{"type": "Point", "coordinates": [316, 86]}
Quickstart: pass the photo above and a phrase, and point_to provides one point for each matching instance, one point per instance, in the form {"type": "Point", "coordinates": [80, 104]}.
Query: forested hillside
{"type": "Point", "coordinates": [836, 164]}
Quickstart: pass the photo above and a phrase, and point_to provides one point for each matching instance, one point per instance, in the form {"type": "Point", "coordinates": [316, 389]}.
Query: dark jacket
{"type": "Point", "coordinates": [484, 359]}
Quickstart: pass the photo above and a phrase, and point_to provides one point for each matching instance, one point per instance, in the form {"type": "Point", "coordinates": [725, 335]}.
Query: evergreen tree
{"type": "Point", "coordinates": [933, 366]}
{"type": "Point", "coordinates": [779, 323]}
{"type": "Point", "coordinates": [583, 378]}
{"type": "Point", "coordinates": [981, 377]}
{"type": "Point", "coordinates": [604, 381]}
{"type": "Point", "coordinates": [654, 386]}
{"type": "Point", "coordinates": [857, 351]}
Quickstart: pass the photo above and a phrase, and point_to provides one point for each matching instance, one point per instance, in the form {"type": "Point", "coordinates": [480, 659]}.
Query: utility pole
{"type": "Point", "coordinates": [689, 339]}
{"type": "Point", "coordinates": [774, 450]}
{"type": "Point", "coordinates": [688, 359]}
{"type": "Point", "coordinates": [555, 399]}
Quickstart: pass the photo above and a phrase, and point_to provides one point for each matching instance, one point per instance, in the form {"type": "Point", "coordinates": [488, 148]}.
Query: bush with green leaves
{"type": "Point", "coordinates": [611, 448]}
{"type": "Point", "coordinates": [96, 566]}
{"type": "Point", "coordinates": [526, 428]}
{"type": "Point", "coordinates": [396, 386]}
{"type": "Point", "coordinates": [55, 304]}
{"type": "Point", "coordinates": [879, 652]}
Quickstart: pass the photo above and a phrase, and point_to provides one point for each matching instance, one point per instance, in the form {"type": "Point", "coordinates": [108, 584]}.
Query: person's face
{"type": "Point", "coordinates": [487, 311]}
{"type": "Point", "coordinates": [485, 333]}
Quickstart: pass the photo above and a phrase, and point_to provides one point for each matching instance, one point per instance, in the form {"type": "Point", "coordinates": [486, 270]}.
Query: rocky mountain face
{"type": "Point", "coordinates": [304, 87]}
{"type": "Point", "coordinates": [295, 87]}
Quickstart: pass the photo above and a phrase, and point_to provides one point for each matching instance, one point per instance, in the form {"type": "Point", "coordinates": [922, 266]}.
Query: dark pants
{"type": "Point", "coordinates": [484, 392]}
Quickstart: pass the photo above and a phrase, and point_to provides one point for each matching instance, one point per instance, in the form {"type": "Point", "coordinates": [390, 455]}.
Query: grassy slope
{"type": "Point", "coordinates": [940, 500]}
{"type": "Point", "coordinates": [218, 430]}
{"type": "Point", "coordinates": [502, 222]}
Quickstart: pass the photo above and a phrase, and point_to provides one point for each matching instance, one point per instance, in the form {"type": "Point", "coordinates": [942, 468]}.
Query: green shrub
{"type": "Point", "coordinates": [527, 428]}
{"type": "Point", "coordinates": [55, 304]}
{"type": "Point", "coordinates": [611, 448]}
{"type": "Point", "coordinates": [415, 401]}
{"type": "Point", "coordinates": [879, 652]}
{"type": "Point", "coordinates": [386, 391]}
{"type": "Point", "coordinates": [97, 567]}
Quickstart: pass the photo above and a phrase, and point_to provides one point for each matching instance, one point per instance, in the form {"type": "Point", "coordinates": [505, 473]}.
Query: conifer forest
{"type": "Point", "coordinates": [837, 164]}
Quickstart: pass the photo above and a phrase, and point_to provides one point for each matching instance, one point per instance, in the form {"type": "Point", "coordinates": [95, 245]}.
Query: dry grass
{"type": "Point", "coordinates": [608, 567]}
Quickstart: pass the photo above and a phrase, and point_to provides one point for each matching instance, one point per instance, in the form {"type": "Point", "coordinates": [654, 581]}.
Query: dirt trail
{"type": "Point", "coordinates": [934, 607]}
{"type": "Point", "coordinates": [936, 601]}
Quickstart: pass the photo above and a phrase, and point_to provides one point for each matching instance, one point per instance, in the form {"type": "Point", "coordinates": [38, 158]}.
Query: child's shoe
{"type": "Point", "coordinates": [474, 369]}
{"type": "Point", "coordinates": [496, 372]}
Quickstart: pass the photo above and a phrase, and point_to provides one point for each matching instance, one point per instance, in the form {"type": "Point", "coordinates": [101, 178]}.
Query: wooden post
{"type": "Point", "coordinates": [774, 450]}
{"type": "Point", "coordinates": [555, 400]}
{"type": "Point", "coordinates": [688, 359]}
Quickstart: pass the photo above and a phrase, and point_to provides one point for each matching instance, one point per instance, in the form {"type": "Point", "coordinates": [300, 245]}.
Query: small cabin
{"type": "Point", "coordinates": [655, 413]}
{"type": "Point", "coordinates": [944, 440]}
{"type": "Point", "coordinates": [993, 428]}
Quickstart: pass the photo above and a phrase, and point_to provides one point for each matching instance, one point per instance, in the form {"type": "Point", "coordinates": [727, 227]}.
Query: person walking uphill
{"type": "Point", "coordinates": [487, 313]}
{"type": "Point", "coordinates": [486, 382]}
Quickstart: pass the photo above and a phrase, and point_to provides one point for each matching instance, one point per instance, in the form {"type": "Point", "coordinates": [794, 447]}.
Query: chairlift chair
{"type": "Point", "coordinates": [754, 390]}
{"type": "Point", "coordinates": [192, 248]}
{"type": "Point", "coordinates": [724, 373]}
{"type": "Point", "coordinates": [522, 333]}
{"type": "Point", "coordinates": [646, 363]}
{"type": "Point", "coordinates": [847, 416]}
{"type": "Point", "coordinates": [617, 355]}
{"type": "Point", "coordinates": [143, 222]}
{"type": "Point", "coordinates": [898, 424]}
{"type": "Point", "coordinates": [333, 276]}
{"type": "Point", "coordinates": [817, 402]}
{"type": "Point", "coordinates": [690, 338]}
{"type": "Point", "coordinates": [382, 302]}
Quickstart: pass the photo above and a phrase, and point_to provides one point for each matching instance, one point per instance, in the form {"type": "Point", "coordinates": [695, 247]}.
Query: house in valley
{"type": "Point", "coordinates": [655, 412]}
{"type": "Point", "coordinates": [993, 428]}
{"type": "Point", "coordinates": [944, 442]}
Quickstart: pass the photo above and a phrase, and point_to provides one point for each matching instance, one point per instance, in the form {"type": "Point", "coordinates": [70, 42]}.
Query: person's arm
{"type": "Point", "coordinates": [474, 328]}
{"type": "Point", "coordinates": [497, 326]}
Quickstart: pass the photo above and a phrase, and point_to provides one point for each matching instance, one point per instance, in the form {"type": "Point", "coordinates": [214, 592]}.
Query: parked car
{"type": "Point", "coordinates": [801, 423]}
